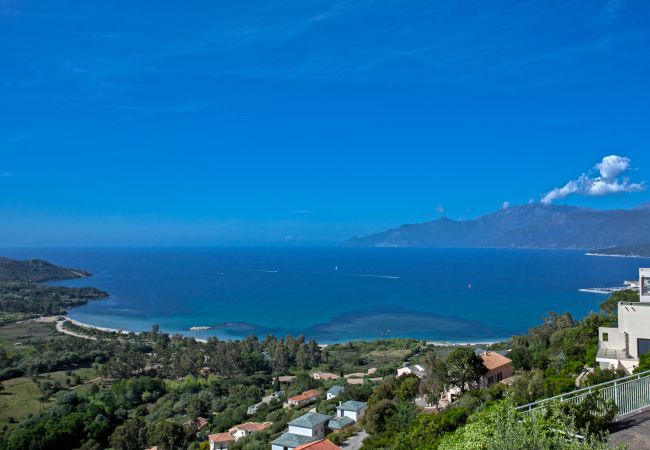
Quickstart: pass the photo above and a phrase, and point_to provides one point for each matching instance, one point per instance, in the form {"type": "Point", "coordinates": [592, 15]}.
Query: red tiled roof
{"type": "Point", "coordinates": [325, 375]}
{"type": "Point", "coordinates": [251, 426]}
{"type": "Point", "coordinates": [492, 360]}
{"type": "Point", "coordinates": [319, 445]}
{"type": "Point", "coordinates": [221, 437]}
{"type": "Point", "coordinates": [305, 396]}
{"type": "Point", "coordinates": [201, 421]}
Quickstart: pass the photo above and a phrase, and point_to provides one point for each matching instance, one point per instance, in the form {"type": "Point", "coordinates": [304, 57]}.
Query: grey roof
{"type": "Point", "coordinates": [336, 389]}
{"type": "Point", "coordinates": [338, 423]}
{"type": "Point", "coordinates": [352, 405]}
{"type": "Point", "coordinates": [309, 420]}
{"type": "Point", "coordinates": [292, 440]}
{"type": "Point", "coordinates": [479, 351]}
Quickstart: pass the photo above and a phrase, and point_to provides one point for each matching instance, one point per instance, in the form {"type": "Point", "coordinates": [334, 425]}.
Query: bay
{"type": "Point", "coordinates": [337, 294]}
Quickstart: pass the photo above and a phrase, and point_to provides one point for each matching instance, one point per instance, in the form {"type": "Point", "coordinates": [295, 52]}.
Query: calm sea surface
{"type": "Point", "coordinates": [338, 294]}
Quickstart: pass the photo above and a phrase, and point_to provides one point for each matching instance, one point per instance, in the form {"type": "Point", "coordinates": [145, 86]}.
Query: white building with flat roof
{"type": "Point", "coordinates": [622, 346]}
{"type": "Point", "coordinates": [644, 284]}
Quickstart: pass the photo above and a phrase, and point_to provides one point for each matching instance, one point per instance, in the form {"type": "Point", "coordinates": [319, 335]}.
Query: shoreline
{"type": "Point", "coordinates": [438, 343]}
{"type": "Point", "coordinates": [98, 328]}
{"type": "Point", "coordinates": [615, 255]}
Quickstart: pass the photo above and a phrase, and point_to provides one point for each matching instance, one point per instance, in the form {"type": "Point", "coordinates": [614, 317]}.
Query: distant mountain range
{"type": "Point", "coordinates": [526, 226]}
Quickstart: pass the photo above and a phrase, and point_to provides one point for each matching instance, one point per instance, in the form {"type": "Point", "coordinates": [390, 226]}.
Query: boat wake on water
{"type": "Point", "coordinates": [390, 277]}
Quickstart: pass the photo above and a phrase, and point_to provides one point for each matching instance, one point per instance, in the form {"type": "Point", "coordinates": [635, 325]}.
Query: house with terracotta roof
{"type": "Point", "coordinates": [286, 378]}
{"type": "Point", "coordinates": [498, 368]}
{"type": "Point", "coordinates": [304, 398]}
{"type": "Point", "coordinates": [319, 445]}
{"type": "Point", "coordinates": [248, 428]}
{"type": "Point", "coordinates": [221, 441]}
{"type": "Point", "coordinates": [325, 376]}
{"type": "Point", "coordinates": [201, 422]}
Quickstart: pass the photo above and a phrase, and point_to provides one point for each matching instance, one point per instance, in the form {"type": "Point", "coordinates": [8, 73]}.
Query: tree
{"type": "Point", "coordinates": [302, 358]}
{"type": "Point", "coordinates": [131, 435]}
{"type": "Point", "coordinates": [378, 415]}
{"type": "Point", "coordinates": [168, 435]}
{"type": "Point", "coordinates": [385, 391]}
{"type": "Point", "coordinates": [464, 367]}
{"type": "Point", "coordinates": [528, 387]}
{"type": "Point", "coordinates": [435, 379]}
{"type": "Point", "coordinates": [500, 426]}
{"type": "Point", "coordinates": [644, 363]}
{"type": "Point", "coordinates": [409, 386]}
{"type": "Point", "coordinates": [280, 358]}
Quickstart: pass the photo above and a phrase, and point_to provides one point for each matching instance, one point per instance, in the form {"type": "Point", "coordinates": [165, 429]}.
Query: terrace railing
{"type": "Point", "coordinates": [631, 394]}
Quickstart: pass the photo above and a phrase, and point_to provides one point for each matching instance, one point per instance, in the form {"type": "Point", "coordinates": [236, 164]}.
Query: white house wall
{"type": "Point", "coordinates": [635, 320]}
{"type": "Point", "coordinates": [300, 430]}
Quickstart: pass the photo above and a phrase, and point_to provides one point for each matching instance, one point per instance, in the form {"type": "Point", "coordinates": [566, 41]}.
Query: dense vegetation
{"type": "Point", "coordinates": [36, 271]}
{"type": "Point", "coordinates": [548, 360]}
{"type": "Point", "coordinates": [22, 296]}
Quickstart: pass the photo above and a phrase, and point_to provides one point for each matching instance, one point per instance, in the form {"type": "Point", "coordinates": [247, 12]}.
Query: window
{"type": "Point", "coordinates": [605, 337]}
{"type": "Point", "coordinates": [499, 376]}
{"type": "Point", "coordinates": [645, 285]}
{"type": "Point", "coordinates": [643, 346]}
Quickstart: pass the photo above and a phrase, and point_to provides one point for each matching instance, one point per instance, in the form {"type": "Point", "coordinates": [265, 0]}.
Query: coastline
{"type": "Point", "coordinates": [615, 255]}
{"type": "Point", "coordinates": [61, 319]}
{"type": "Point", "coordinates": [98, 328]}
{"type": "Point", "coordinates": [428, 309]}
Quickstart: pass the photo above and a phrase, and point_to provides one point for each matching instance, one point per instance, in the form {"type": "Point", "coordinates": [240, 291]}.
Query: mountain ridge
{"type": "Point", "coordinates": [523, 226]}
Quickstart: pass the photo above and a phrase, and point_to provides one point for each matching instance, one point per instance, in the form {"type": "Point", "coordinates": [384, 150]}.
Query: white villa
{"type": "Point", "coordinates": [622, 346]}
{"type": "Point", "coordinates": [353, 409]}
{"type": "Point", "coordinates": [302, 430]}
{"type": "Point", "coordinates": [312, 427]}
{"type": "Point", "coordinates": [417, 370]}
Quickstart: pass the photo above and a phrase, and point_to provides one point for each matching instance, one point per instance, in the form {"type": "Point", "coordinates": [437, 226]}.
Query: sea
{"type": "Point", "coordinates": [337, 294]}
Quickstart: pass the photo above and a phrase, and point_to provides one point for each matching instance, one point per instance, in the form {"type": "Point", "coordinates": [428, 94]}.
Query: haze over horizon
{"type": "Point", "coordinates": [281, 123]}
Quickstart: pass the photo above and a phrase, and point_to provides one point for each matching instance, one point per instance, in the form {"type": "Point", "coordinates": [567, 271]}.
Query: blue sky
{"type": "Point", "coordinates": [206, 122]}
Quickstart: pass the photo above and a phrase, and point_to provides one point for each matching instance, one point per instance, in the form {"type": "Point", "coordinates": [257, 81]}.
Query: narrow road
{"type": "Point", "coordinates": [355, 442]}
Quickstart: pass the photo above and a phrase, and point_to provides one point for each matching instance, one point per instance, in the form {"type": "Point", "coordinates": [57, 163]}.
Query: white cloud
{"type": "Point", "coordinates": [440, 209]}
{"type": "Point", "coordinates": [505, 205]}
{"type": "Point", "coordinates": [608, 181]}
{"type": "Point", "coordinates": [301, 211]}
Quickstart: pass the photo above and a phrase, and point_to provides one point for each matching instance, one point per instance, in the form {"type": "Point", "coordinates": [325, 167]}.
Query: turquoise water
{"type": "Point", "coordinates": [338, 294]}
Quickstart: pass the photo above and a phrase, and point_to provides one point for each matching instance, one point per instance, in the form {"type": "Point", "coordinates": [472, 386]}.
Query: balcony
{"type": "Point", "coordinates": [612, 353]}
